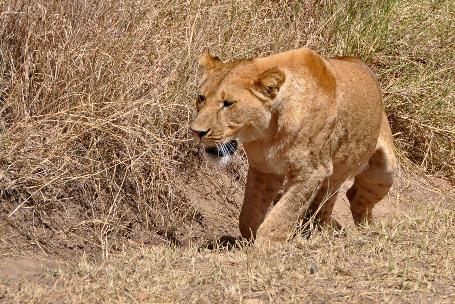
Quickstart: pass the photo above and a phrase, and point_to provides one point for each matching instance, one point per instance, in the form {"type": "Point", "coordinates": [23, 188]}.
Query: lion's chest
{"type": "Point", "coordinates": [276, 159]}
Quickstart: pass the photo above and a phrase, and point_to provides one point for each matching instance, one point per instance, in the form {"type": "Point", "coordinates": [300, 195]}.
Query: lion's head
{"type": "Point", "coordinates": [234, 104]}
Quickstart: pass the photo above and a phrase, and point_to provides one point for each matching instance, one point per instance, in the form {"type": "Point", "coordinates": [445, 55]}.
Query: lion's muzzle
{"type": "Point", "coordinates": [224, 149]}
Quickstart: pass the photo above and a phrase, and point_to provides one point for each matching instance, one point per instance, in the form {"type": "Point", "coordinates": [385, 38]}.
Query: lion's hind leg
{"type": "Point", "coordinates": [373, 183]}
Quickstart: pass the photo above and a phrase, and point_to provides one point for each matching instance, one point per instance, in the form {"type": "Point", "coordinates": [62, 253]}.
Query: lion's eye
{"type": "Point", "coordinates": [227, 103]}
{"type": "Point", "coordinates": [200, 98]}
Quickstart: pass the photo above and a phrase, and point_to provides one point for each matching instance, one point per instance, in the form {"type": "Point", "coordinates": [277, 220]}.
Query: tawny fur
{"type": "Point", "coordinates": [311, 121]}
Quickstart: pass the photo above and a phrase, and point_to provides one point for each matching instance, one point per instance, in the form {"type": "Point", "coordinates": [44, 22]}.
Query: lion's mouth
{"type": "Point", "coordinates": [224, 149]}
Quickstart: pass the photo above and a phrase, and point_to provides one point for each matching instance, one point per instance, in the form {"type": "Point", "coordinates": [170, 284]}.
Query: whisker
{"type": "Point", "coordinates": [223, 150]}
{"type": "Point", "coordinates": [220, 150]}
{"type": "Point", "coordinates": [230, 147]}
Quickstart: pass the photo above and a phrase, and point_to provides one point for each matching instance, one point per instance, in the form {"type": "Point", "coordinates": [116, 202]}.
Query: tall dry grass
{"type": "Point", "coordinates": [96, 96]}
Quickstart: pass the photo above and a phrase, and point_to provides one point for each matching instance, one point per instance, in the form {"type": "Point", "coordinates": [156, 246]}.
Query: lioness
{"type": "Point", "coordinates": [311, 121]}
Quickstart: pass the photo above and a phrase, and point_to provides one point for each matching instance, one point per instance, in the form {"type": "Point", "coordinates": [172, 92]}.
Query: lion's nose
{"type": "Point", "coordinates": [199, 133]}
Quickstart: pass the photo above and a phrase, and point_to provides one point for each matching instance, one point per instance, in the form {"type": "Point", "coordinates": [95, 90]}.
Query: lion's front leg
{"type": "Point", "coordinates": [282, 219]}
{"type": "Point", "coordinates": [261, 189]}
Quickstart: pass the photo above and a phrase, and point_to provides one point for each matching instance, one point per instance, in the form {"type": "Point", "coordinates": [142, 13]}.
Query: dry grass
{"type": "Point", "coordinates": [406, 259]}
{"type": "Point", "coordinates": [95, 100]}
{"type": "Point", "coordinates": [96, 96]}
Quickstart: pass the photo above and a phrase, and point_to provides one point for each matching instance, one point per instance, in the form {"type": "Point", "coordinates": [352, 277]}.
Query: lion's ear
{"type": "Point", "coordinates": [269, 83]}
{"type": "Point", "coordinates": [208, 61]}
